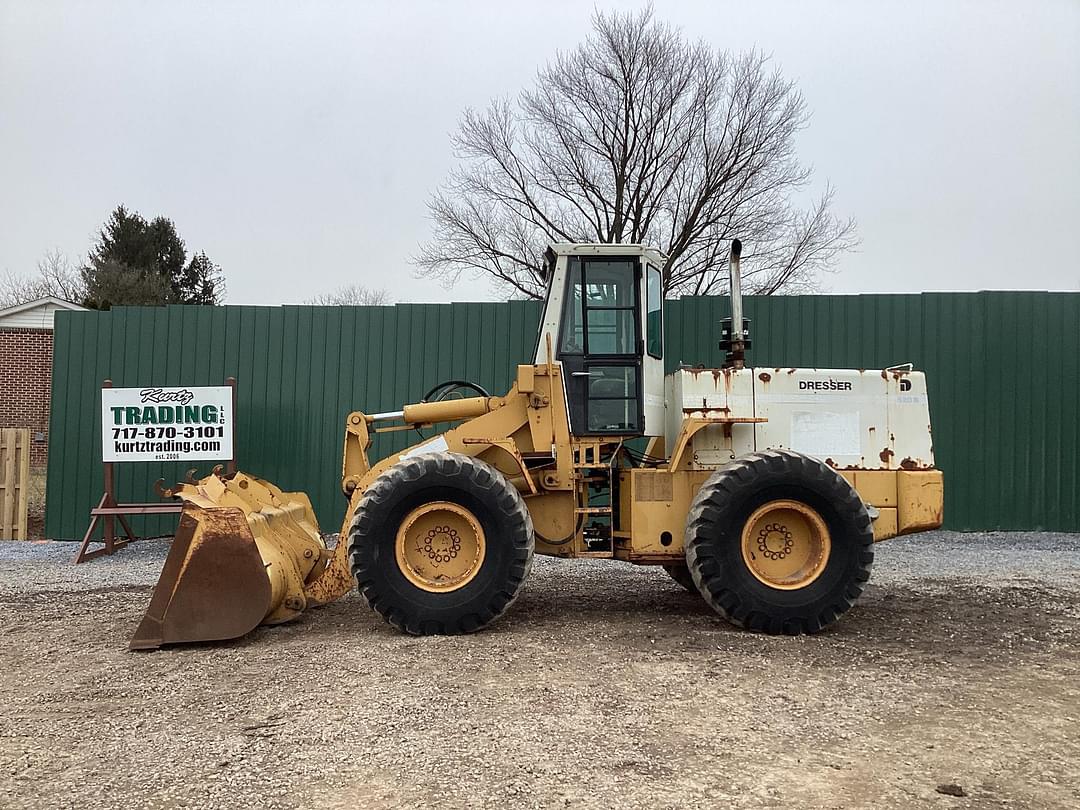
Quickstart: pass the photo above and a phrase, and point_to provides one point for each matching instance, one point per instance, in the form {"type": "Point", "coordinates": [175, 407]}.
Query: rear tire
{"type": "Point", "coordinates": [779, 542]}
{"type": "Point", "coordinates": [440, 544]}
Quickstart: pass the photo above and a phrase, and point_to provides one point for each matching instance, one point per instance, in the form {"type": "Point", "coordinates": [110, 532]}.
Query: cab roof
{"type": "Point", "coordinates": [606, 249]}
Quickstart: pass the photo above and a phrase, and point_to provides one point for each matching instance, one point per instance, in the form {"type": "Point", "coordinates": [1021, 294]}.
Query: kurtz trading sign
{"type": "Point", "coordinates": [166, 424]}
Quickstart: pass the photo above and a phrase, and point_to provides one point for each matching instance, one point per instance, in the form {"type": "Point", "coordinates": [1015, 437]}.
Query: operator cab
{"type": "Point", "coordinates": [604, 318]}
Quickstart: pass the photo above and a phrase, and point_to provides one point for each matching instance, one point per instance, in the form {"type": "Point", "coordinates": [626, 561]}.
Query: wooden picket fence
{"type": "Point", "coordinates": [14, 482]}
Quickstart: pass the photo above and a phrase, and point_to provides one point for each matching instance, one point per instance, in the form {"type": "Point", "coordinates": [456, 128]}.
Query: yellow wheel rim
{"type": "Point", "coordinates": [440, 547]}
{"type": "Point", "coordinates": [786, 544]}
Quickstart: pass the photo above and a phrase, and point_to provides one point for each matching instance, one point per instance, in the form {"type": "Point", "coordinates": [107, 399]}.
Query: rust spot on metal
{"type": "Point", "coordinates": [728, 380]}
{"type": "Point", "coordinates": [884, 375]}
{"type": "Point", "coordinates": [214, 584]}
{"type": "Point", "coordinates": [334, 581]}
{"type": "Point", "coordinates": [764, 376]}
{"type": "Point", "coordinates": [885, 455]}
{"type": "Point", "coordinates": [913, 464]}
{"type": "Point", "coordinates": [791, 371]}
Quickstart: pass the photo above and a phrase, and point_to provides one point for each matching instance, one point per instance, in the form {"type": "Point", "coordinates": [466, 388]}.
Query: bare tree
{"type": "Point", "coordinates": [638, 135]}
{"type": "Point", "coordinates": [351, 295]}
{"type": "Point", "coordinates": [55, 276]}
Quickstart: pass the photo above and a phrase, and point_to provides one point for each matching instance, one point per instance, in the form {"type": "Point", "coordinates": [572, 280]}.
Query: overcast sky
{"type": "Point", "coordinates": [297, 143]}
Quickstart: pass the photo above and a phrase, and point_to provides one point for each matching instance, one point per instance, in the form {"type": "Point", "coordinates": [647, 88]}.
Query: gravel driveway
{"type": "Point", "coordinates": [606, 685]}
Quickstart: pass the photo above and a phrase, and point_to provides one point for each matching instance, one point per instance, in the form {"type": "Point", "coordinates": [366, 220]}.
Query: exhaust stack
{"type": "Point", "coordinates": [735, 340]}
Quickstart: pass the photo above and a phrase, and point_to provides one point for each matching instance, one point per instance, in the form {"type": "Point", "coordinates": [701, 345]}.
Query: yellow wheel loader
{"type": "Point", "coordinates": [763, 490]}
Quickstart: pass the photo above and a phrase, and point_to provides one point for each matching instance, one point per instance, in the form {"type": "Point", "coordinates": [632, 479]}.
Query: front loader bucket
{"type": "Point", "coordinates": [213, 586]}
{"type": "Point", "coordinates": [245, 554]}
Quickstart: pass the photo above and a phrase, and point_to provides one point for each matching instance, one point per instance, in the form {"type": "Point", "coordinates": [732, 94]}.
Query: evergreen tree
{"type": "Point", "coordinates": [140, 262]}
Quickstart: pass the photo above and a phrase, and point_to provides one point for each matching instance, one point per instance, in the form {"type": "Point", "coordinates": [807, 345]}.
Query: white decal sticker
{"type": "Point", "coordinates": [825, 434]}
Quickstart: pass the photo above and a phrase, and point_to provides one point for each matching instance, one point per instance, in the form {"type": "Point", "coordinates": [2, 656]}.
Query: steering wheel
{"type": "Point", "coordinates": [444, 389]}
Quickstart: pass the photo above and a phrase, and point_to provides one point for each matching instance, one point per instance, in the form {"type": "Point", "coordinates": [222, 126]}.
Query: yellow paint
{"type": "Point", "coordinates": [354, 460]}
{"type": "Point", "coordinates": [785, 544]}
{"type": "Point", "coordinates": [440, 547]}
{"type": "Point", "coordinates": [283, 527]}
{"type": "Point", "coordinates": [553, 521]}
{"type": "Point", "coordinates": [907, 501]}
{"type": "Point", "coordinates": [885, 525]}
{"type": "Point", "coordinates": [653, 507]}
{"type": "Point", "coordinates": [526, 379]}
{"type": "Point", "coordinates": [921, 500]}
{"type": "Point", "coordinates": [875, 487]}
{"type": "Point", "coordinates": [448, 410]}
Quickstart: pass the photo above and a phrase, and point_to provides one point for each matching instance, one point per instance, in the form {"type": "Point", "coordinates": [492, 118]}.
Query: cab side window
{"type": "Point", "coordinates": [654, 314]}
{"type": "Point", "coordinates": [573, 329]}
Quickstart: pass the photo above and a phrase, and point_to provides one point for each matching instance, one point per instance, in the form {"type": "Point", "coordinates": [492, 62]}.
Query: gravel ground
{"type": "Point", "coordinates": [606, 685]}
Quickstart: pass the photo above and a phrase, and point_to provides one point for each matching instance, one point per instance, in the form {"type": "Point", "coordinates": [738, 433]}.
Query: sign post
{"type": "Point", "coordinates": [157, 423]}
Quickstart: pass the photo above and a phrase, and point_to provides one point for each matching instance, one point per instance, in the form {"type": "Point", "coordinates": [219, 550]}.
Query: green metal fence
{"type": "Point", "coordinates": [1003, 372]}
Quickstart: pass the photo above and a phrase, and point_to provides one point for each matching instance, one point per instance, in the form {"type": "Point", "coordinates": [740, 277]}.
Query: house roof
{"type": "Point", "coordinates": [37, 302]}
{"type": "Point", "coordinates": [36, 314]}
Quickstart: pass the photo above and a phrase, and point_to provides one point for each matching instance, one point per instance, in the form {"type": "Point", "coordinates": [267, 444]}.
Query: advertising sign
{"type": "Point", "coordinates": [166, 424]}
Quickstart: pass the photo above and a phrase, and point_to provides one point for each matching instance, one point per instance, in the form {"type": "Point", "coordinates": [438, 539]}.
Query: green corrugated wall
{"type": "Point", "coordinates": [1002, 366]}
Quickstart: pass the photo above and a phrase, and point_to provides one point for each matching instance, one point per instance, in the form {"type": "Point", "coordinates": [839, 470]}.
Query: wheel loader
{"type": "Point", "coordinates": [761, 489]}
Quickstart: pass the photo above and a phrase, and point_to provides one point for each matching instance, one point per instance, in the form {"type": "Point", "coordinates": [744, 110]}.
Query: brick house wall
{"type": "Point", "coordinates": [26, 357]}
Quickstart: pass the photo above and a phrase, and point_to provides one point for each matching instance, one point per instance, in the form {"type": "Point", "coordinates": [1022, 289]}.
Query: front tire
{"type": "Point", "coordinates": [441, 543]}
{"type": "Point", "coordinates": [779, 542]}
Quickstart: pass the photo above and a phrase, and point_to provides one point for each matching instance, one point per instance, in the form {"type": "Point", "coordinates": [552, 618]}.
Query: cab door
{"type": "Point", "coordinates": [600, 345]}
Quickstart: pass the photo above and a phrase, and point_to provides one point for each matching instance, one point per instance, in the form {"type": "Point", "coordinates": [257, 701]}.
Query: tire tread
{"type": "Point", "coordinates": [443, 468]}
{"type": "Point", "coordinates": [711, 512]}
